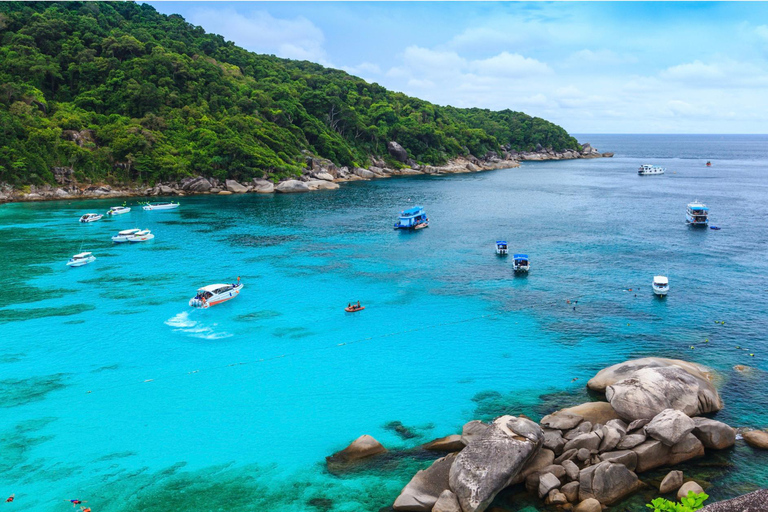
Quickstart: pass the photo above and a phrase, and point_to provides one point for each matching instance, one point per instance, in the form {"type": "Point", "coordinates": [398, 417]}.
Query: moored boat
{"type": "Point", "coordinates": [660, 285]}
{"type": "Point", "coordinates": [213, 294]}
{"type": "Point", "coordinates": [697, 214]}
{"type": "Point", "coordinates": [521, 263]}
{"type": "Point", "coordinates": [160, 206]}
{"type": "Point", "coordinates": [118, 210]}
{"type": "Point", "coordinates": [501, 248]}
{"type": "Point", "coordinates": [709, 164]}
{"type": "Point", "coordinates": [141, 236]}
{"type": "Point", "coordinates": [90, 217]}
{"type": "Point", "coordinates": [78, 260]}
{"type": "Point", "coordinates": [649, 170]}
{"type": "Point", "coordinates": [124, 235]}
{"type": "Point", "coordinates": [413, 218]}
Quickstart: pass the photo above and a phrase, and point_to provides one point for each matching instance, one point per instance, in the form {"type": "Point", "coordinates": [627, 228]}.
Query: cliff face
{"type": "Point", "coordinates": [116, 93]}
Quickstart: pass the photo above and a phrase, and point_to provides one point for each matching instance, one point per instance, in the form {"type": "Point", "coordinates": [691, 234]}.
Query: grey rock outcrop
{"type": "Point", "coordinates": [426, 486]}
{"type": "Point", "coordinates": [491, 462]}
{"type": "Point", "coordinates": [447, 502]}
{"type": "Point", "coordinates": [588, 505]}
{"type": "Point", "coordinates": [363, 447]}
{"type": "Point", "coordinates": [630, 441]}
{"type": "Point", "coordinates": [561, 420]}
{"type": "Point", "coordinates": [198, 184]}
{"type": "Point", "coordinates": [670, 426]}
{"type": "Point", "coordinates": [626, 457]}
{"type": "Point", "coordinates": [590, 441]}
{"type": "Point", "coordinates": [263, 186]}
{"type": "Point", "coordinates": [321, 185]}
{"type": "Point", "coordinates": [621, 371]}
{"type": "Point", "coordinates": [397, 151]}
{"type": "Point", "coordinates": [452, 443]}
{"type": "Point", "coordinates": [756, 438]}
{"type": "Point", "coordinates": [235, 187]}
{"type": "Point", "coordinates": [714, 434]}
{"type": "Point", "coordinates": [756, 501]}
{"type": "Point", "coordinates": [291, 187]}
{"type": "Point", "coordinates": [571, 491]}
{"type": "Point", "coordinates": [547, 482]}
{"type": "Point", "coordinates": [651, 390]}
{"type": "Point", "coordinates": [473, 430]}
{"type": "Point", "coordinates": [671, 482]}
{"type": "Point", "coordinates": [363, 173]}
{"type": "Point", "coordinates": [607, 482]}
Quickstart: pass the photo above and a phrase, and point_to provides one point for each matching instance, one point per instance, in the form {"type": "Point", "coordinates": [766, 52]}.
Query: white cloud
{"type": "Point", "coordinates": [510, 65]}
{"type": "Point", "coordinates": [762, 32]}
{"type": "Point", "coordinates": [723, 73]}
{"type": "Point", "coordinates": [295, 38]}
{"type": "Point", "coordinates": [600, 57]}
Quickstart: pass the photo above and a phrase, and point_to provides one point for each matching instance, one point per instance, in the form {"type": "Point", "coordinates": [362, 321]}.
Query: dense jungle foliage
{"type": "Point", "coordinates": [122, 93]}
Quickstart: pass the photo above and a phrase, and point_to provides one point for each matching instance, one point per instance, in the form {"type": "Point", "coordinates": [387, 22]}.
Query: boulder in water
{"type": "Point", "coordinates": [671, 482]}
{"type": "Point", "coordinates": [756, 438]}
{"type": "Point", "coordinates": [687, 487]}
{"type": "Point", "coordinates": [426, 486]}
{"type": "Point", "coordinates": [291, 187]}
{"type": "Point", "coordinates": [714, 434]}
{"type": "Point", "coordinates": [361, 448]}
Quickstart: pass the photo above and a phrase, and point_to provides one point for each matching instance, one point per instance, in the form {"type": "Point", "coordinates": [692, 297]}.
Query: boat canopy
{"type": "Point", "coordinates": [698, 206]}
{"type": "Point", "coordinates": [660, 280]}
{"type": "Point", "coordinates": [501, 242]}
{"type": "Point", "coordinates": [521, 256]}
{"type": "Point", "coordinates": [412, 211]}
{"type": "Point", "coordinates": [214, 287]}
{"type": "Point", "coordinates": [81, 255]}
{"type": "Point", "coordinates": [129, 231]}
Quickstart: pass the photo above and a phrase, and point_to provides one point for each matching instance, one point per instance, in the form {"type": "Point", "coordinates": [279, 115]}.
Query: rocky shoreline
{"type": "Point", "coordinates": [319, 174]}
{"type": "Point", "coordinates": [581, 458]}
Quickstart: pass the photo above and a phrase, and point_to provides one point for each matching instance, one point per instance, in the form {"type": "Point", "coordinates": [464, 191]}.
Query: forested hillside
{"type": "Point", "coordinates": [121, 93]}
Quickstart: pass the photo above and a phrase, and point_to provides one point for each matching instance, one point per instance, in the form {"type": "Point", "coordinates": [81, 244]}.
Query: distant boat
{"type": "Point", "coordinates": [213, 294]}
{"type": "Point", "coordinates": [521, 263]}
{"type": "Point", "coordinates": [414, 218]}
{"type": "Point", "coordinates": [660, 285]}
{"type": "Point", "coordinates": [709, 164]}
{"type": "Point", "coordinates": [124, 235]}
{"type": "Point", "coordinates": [90, 217]}
{"type": "Point", "coordinates": [118, 210]}
{"type": "Point", "coordinates": [697, 214]}
{"type": "Point", "coordinates": [501, 248]}
{"type": "Point", "coordinates": [160, 206]}
{"type": "Point", "coordinates": [649, 170]}
{"type": "Point", "coordinates": [78, 260]}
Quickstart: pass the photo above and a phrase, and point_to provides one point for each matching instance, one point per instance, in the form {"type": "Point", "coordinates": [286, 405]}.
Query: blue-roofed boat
{"type": "Point", "coordinates": [521, 263]}
{"type": "Point", "coordinates": [697, 214]}
{"type": "Point", "coordinates": [414, 218]}
{"type": "Point", "coordinates": [501, 248]}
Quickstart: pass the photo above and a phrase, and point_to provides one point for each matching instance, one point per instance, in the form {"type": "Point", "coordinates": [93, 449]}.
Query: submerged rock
{"type": "Point", "coordinates": [361, 448]}
{"type": "Point", "coordinates": [426, 486]}
{"type": "Point", "coordinates": [491, 462]}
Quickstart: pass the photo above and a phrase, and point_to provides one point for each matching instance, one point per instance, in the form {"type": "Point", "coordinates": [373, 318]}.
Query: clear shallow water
{"type": "Point", "coordinates": [448, 335]}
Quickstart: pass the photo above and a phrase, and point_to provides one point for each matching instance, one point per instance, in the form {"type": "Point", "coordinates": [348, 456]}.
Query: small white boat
{"type": "Point", "coordinates": [660, 285]}
{"type": "Point", "coordinates": [124, 235]}
{"type": "Point", "coordinates": [118, 210]}
{"type": "Point", "coordinates": [697, 214]}
{"type": "Point", "coordinates": [78, 260]}
{"type": "Point", "coordinates": [501, 248]}
{"type": "Point", "coordinates": [521, 263]}
{"type": "Point", "coordinates": [141, 236]}
{"type": "Point", "coordinates": [213, 294]}
{"type": "Point", "coordinates": [90, 217]}
{"type": "Point", "coordinates": [649, 170]}
{"type": "Point", "coordinates": [160, 206]}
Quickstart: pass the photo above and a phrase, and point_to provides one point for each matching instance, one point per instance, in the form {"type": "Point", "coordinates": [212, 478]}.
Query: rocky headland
{"type": "Point", "coordinates": [581, 458]}
{"type": "Point", "coordinates": [319, 174]}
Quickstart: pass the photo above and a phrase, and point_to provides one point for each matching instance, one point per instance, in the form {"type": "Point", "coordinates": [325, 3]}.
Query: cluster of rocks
{"type": "Point", "coordinates": [319, 174]}
{"type": "Point", "coordinates": [580, 458]}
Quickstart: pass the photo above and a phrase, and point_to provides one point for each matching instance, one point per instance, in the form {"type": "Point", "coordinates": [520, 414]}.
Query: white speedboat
{"type": "Point", "coordinates": [501, 248]}
{"type": "Point", "coordinates": [123, 236]}
{"type": "Point", "coordinates": [160, 206]}
{"type": "Point", "coordinates": [118, 210]}
{"type": "Point", "coordinates": [697, 214]}
{"type": "Point", "coordinates": [78, 260]}
{"type": "Point", "coordinates": [90, 217]}
{"type": "Point", "coordinates": [213, 294]}
{"type": "Point", "coordinates": [521, 263]}
{"type": "Point", "coordinates": [649, 170]}
{"type": "Point", "coordinates": [141, 236]}
{"type": "Point", "coordinates": [660, 285]}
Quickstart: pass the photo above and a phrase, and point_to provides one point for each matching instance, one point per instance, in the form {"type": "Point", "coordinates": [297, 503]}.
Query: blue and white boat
{"type": "Point", "coordinates": [501, 248]}
{"type": "Point", "coordinates": [415, 218]}
{"type": "Point", "coordinates": [521, 263]}
{"type": "Point", "coordinates": [697, 214]}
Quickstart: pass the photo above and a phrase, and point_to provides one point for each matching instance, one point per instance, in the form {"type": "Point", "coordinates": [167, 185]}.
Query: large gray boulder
{"type": "Point", "coordinates": [756, 439]}
{"type": "Point", "coordinates": [397, 151]}
{"type": "Point", "coordinates": [607, 482]}
{"type": "Point", "coordinates": [611, 438]}
{"type": "Point", "coordinates": [473, 430]}
{"type": "Point", "coordinates": [653, 453]}
{"type": "Point", "coordinates": [263, 186]}
{"type": "Point", "coordinates": [651, 390]}
{"type": "Point", "coordinates": [630, 441]}
{"type": "Point", "coordinates": [322, 185]}
{"type": "Point", "coordinates": [590, 441]}
{"type": "Point", "coordinates": [452, 443]}
{"type": "Point", "coordinates": [490, 463]}
{"type": "Point", "coordinates": [620, 371]}
{"type": "Point", "coordinates": [361, 448]}
{"type": "Point", "coordinates": [561, 420]}
{"type": "Point", "coordinates": [198, 184]}
{"type": "Point", "coordinates": [670, 426]}
{"type": "Point", "coordinates": [753, 502]}
{"type": "Point", "coordinates": [627, 458]}
{"type": "Point", "coordinates": [542, 460]}
{"type": "Point", "coordinates": [291, 187]}
{"type": "Point", "coordinates": [554, 441]}
{"type": "Point", "coordinates": [671, 482]}
{"type": "Point", "coordinates": [594, 412]}
{"type": "Point", "coordinates": [547, 482]}
{"type": "Point", "coordinates": [689, 486]}
{"type": "Point", "coordinates": [363, 173]}
{"type": "Point", "coordinates": [447, 502]}
{"type": "Point", "coordinates": [235, 187]}
{"type": "Point", "coordinates": [426, 486]}
{"type": "Point", "coordinates": [714, 434]}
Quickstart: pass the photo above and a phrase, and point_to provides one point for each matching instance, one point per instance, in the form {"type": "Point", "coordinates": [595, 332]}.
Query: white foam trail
{"type": "Point", "coordinates": [195, 328]}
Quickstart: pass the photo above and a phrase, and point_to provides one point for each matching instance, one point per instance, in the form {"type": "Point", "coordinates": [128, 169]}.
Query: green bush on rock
{"type": "Point", "coordinates": [688, 503]}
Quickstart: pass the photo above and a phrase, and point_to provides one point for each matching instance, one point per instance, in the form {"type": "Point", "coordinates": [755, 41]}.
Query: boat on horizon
{"type": "Point", "coordinates": [78, 260]}
{"type": "Point", "coordinates": [413, 218]}
{"type": "Point", "coordinates": [709, 164]}
{"type": "Point", "coordinates": [521, 264]}
{"type": "Point", "coordinates": [501, 248]}
{"type": "Point", "coordinates": [160, 206]}
{"type": "Point", "coordinates": [213, 294]}
{"type": "Point", "coordinates": [650, 170]}
{"type": "Point", "coordinates": [123, 236]}
{"type": "Point", "coordinates": [91, 217]}
{"type": "Point", "coordinates": [118, 210]}
{"type": "Point", "coordinates": [697, 214]}
{"type": "Point", "coordinates": [660, 285]}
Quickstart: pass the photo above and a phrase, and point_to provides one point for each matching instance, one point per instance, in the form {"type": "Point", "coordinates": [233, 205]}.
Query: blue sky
{"type": "Point", "coordinates": [603, 67]}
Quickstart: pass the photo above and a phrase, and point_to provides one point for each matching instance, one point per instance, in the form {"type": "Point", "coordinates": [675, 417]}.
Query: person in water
{"type": "Point", "coordinates": [76, 502]}
{"type": "Point", "coordinates": [10, 498]}
{"type": "Point", "coordinates": [358, 304]}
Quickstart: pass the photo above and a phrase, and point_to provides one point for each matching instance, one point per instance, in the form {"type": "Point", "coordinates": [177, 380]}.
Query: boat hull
{"type": "Point", "coordinates": [216, 299]}
{"type": "Point", "coordinates": [90, 219]}
{"type": "Point", "coordinates": [142, 238]}
{"type": "Point", "coordinates": [660, 292]}
{"type": "Point", "coordinates": [80, 263]}
{"type": "Point", "coordinates": [151, 207]}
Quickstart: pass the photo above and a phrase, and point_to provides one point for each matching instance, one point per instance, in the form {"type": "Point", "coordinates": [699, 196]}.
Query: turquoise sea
{"type": "Point", "coordinates": [114, 391]}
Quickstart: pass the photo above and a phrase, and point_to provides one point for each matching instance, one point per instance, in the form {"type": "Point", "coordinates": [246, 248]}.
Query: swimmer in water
{"type": "Point", "coordinates": [76, 502]}
{"type": "Point", "coordinates": [10, 498]}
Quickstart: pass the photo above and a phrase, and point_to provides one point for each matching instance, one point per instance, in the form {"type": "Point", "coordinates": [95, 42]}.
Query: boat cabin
{"type": "Point", "coordinates": [521, 262]}
{"type": "Point", "coordinates": [411, 218]}
{"type": "Point", "coordinates": [697, 213]}
{"type": "Point", "coordinates": [206, 292]}
{"type": "Point", "coordinates": [81, 256]}
{"type": "Point", "coordinates": [501, 247]}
